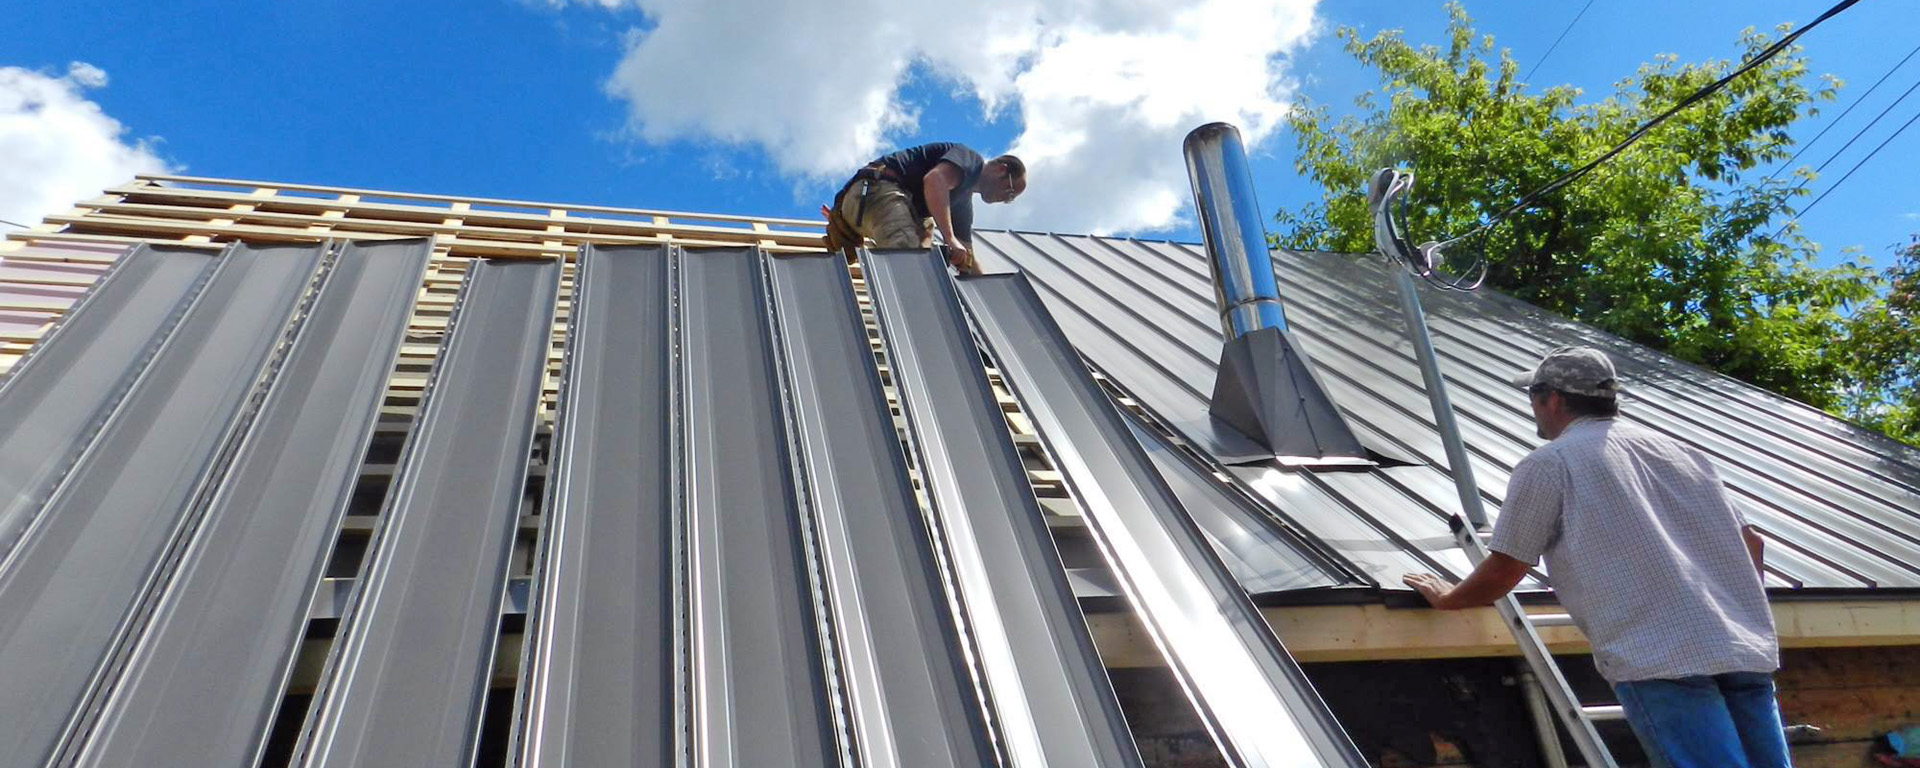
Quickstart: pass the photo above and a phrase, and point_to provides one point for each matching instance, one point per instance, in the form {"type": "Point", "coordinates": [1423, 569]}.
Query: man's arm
{"type": "Point", "coordinates": [937, 190]}
{"type": "Point", "coordinates": [1492, 579]}
{"type": "Point", "coordinates": [1756, 549]}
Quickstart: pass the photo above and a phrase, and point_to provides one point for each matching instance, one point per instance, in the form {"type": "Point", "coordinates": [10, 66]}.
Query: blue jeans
{"type": "Point", "coordinates": [1723, 721]}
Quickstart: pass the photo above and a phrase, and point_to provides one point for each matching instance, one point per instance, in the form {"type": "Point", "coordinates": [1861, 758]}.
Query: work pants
{"type": "Point", "coordinates": [884, 214]}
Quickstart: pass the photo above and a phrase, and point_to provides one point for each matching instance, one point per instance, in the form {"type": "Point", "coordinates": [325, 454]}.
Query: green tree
{"type": "Point", "coordinates": [1668, 244]}
{"type": "Point", "coordinates": [1882, 350]}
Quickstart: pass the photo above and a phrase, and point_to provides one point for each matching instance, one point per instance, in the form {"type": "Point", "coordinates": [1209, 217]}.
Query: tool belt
{"type": "Point", "coordinates": [843, 235]}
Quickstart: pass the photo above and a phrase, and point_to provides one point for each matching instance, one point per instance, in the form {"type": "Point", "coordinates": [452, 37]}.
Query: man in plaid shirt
{"type": "Point", "coordinates": [1653, 562]}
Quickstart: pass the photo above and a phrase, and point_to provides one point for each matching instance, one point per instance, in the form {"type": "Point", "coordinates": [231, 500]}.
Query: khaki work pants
{"type": "Point", "coordinates": [884, 214]}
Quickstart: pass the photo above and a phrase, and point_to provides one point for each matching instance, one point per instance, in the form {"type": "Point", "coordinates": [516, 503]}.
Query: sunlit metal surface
{"type": "Point", "coordinates": [1837, 502]}
{"type": "Point", "coordinates": [1053, 702]}
{"type": "Point", "coordinates": [1244, 288]}
{"type": "Point", "coordinates": [56, 398]}
{"type": "Point", "coordinates": [911, 696]}
{"type": "Point", "coordinates": [409, 674]}
{"type": "Point", "coordinates": [600, 655]}
{"type": "Point", "coordinates": [73, 588]}
{"type": "Point", "coordinates": [1255, 700]}
{"type": "Point", "coordinates": [225, 634]}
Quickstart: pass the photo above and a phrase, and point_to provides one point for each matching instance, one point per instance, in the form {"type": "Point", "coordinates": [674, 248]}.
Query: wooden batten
{"type": "Point", "coordinates": [1362, 632]}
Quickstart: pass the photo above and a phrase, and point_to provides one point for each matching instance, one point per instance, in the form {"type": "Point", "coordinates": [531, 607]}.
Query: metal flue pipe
{"type": "Point", "coordinates": [1243, 283]}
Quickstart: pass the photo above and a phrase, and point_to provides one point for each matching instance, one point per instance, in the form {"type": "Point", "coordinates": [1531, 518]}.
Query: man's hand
{"type": "Point", "coordinates": [1431, 587]}
{"type": "Point", "coordinates": [962, 259]}
{"type": "Point", "coordinates": [1491, 580]}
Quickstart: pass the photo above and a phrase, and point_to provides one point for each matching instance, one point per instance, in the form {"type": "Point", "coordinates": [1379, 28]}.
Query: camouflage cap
{"type": "Point", "coordinates": [1577, 370]}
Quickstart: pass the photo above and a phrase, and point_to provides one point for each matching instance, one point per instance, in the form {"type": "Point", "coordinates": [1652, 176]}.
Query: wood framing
{"type": "Point", "coordinates": [1361, 632]}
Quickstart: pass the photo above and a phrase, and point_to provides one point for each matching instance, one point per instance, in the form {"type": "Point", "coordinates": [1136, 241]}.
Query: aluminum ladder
{"type": "Point", "coordinates": [1385, 188]}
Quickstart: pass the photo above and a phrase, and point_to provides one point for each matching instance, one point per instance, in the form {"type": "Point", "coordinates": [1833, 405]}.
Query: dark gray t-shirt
{"type": "Point", "coordinates": [914, 163]}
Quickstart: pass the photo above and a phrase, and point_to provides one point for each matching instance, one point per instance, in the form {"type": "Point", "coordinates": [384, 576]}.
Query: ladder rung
{"type": "Point", "coordinates": [1605, 712]}
{"type": "Point", "coordinates": [1550, 619]}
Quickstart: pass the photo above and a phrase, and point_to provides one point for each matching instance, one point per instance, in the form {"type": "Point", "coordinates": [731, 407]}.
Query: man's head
{"type": "Point", "coordinates": [1570, 382]}
{"type": "Point", "coordinates": [1004, 178]}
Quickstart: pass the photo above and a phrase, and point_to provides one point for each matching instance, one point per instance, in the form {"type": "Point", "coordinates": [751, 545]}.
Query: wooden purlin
{"type": "Point", "coordinates": [206, 212]}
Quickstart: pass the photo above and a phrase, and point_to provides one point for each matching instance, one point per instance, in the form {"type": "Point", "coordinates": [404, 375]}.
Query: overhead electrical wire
{"type": "Point", "coordinates": [1859, 133]}
{"type": "Point", "coordinates": [1432, 252]}
{"type": "Point", "coordinates": [1848, 174]}
{"type": "Point", "coordinates": [1556, 42]}
{"type": "Point", "coordinates": [14, 224]}
{"type": "Point", "coordinates": [1842, 116]}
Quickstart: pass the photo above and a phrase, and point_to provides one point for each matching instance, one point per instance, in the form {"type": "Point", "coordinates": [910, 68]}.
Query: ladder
{"type": "Point", "coordinates": [1546, 677]}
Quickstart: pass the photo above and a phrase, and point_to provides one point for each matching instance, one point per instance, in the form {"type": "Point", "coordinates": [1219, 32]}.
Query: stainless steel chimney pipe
{"type": "Point", "coordinates": [1243, 283]}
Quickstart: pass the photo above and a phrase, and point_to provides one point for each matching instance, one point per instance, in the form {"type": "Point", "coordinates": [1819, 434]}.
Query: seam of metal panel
{"type": "Point", "coordinates": [529, 730]}
{"type": "Point", "coordinates": [166, 541]}
{"type": "Point", "coordinates": [299, 347]}
{"type": "Point", "coordinates": [681, 526]}
{"type": "Point", "coordinates": [1031, 736]}
{"type": "Point", "coordinates": [1155, 547]}
{"type": "Point", "coordinates": [826, 620]}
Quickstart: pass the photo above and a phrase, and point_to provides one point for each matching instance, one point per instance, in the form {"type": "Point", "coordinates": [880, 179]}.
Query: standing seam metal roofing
{"type": "Point", "coordinates": [1253, 697]}
{"type": "Point", "coordinates": [225, 633]}
{"type": "Point", "coordinates": [89, 561]}
{"type": "Point", "coordinates": [409, 675]}
{"type": "Point", "coordinates": [1840, 505]}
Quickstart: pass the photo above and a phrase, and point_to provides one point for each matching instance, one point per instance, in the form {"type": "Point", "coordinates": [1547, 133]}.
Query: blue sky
{"type": "Point", "coordinates": [669, 104]}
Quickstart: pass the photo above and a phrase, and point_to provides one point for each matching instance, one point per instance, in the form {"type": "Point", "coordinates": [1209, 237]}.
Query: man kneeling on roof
{"type": "Point", "coordinates": [894, 199]}
{"type": "Point", "coordinates": [1654, 564]}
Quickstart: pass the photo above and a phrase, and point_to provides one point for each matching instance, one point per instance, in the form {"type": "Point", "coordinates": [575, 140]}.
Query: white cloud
{"type": "Point", "coordinates": [58, 147]}
{"type": "Point", "coordinates": [1104, 89]}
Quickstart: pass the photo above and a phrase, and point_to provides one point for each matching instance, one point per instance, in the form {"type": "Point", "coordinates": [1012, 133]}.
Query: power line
{"type": "Point", "coordinates": [1843, 115]}
{"type": "Point", "coordinates": [1859, 133]}
{"type": "Point", "coordinates": [1847, 175]}
{"type": "Point", "coordinates": [14, 223]}
{"type": "Point", "coordinates": [1431, 249]}
{"type": "Point", "coordinates": [1556, 41]}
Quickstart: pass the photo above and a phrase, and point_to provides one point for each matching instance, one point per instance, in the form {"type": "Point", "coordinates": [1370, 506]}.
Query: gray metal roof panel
{"type": "Point", "coordinates": [600, 659]}
{"type": "Point", "coordinates": [1261, 556]}
{"type": "Point", "coordinates": [56, 398]}
{"type": "Point", "coordinates": [1255, 700]}
{"type": "Point", "coordinates": [72, 589]}
{"type": "Point", "coordinates": [410, 672]}
{"type": "Point", "coordinates": [1841, 504]}
{"type": "Point", "coordinates": [760, 688]}
{"type": "Point", "coordinates": [1053, 702]}
{"type": "Point", "coordinates": [912, 700]}
{"type": "Point", "coordinates": [225, 633]}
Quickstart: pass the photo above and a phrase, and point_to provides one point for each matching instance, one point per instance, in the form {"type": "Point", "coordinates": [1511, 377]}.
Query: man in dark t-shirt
{"type": "Point", "coordinates": [895, 198]}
